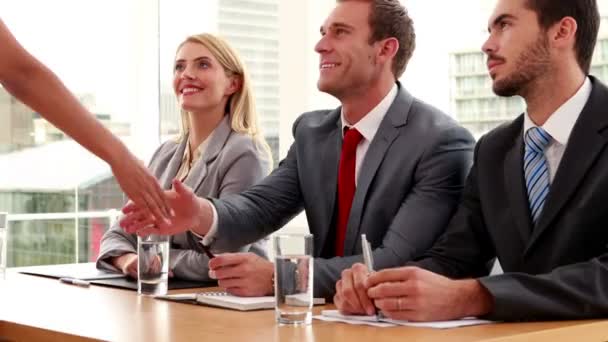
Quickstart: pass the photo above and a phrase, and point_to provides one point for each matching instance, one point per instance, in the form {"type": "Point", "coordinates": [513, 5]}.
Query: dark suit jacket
{"type": "Point", "coordinates": [558, 269]}
{"type": "Point", "coordinates": [409, 185]}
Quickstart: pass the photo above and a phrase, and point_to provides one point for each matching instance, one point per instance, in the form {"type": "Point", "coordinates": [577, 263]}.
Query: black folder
{"type": "Point", "coordinates": [88, 272]}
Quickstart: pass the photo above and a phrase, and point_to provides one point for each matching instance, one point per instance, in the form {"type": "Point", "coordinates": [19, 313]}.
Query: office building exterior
{"type": "Point", "coordinates": [475, 105]}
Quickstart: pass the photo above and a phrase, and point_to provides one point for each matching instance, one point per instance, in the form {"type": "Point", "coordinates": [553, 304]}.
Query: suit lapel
{"type": "Point", "coordinates": [175, 162]}
{"type": "Point", "coordinates": [584, 146]}
{"type": "Point", "coordinates": [331, 148]}
{"type": "Point", "coordinates": [515, 186]}
{"type": "Point", "coordinates": [388, 131]}
{"type": "Point", "coordinates": [217, 140]}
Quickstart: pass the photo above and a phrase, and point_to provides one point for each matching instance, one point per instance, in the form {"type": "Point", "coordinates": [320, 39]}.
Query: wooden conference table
{"type": "Point", "coordinates": [43, 309]}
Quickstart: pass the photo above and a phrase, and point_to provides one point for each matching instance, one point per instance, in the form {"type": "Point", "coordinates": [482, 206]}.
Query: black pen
{"type": "Point", "coordinates": [207, 251]}
{"type": "Point", "coordinates": [206, 248]}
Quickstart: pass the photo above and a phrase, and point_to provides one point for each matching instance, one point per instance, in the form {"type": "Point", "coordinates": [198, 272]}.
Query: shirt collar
{"type": "Point", "coordinates": [198, 152]}
{"type": "Point", "coordinates": [369, 124]}
{"type": "Point", "coordinates": [561, 122]}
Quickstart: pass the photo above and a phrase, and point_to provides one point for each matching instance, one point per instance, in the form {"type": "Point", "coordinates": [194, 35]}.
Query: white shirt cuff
{"type": "Point", "coordinates": [210, 236]}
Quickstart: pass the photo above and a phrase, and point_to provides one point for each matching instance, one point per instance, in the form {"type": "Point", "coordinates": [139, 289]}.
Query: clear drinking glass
{"type": "Point", "coordinates": [153, 264]}
{"type": "Point", "coordinates": [3, 243]}
{"type": "Point", "coordinates": [293, 269]}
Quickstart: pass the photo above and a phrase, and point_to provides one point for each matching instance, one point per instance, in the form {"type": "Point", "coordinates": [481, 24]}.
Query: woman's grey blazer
{"type": "Point", "coordinates": [231, 163]}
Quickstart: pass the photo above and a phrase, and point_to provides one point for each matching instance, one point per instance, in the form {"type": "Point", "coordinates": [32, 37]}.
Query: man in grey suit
{"type": "Point", "coordinates": [537, 192]}
{"type": "Point", "coordinates": [384, 164]}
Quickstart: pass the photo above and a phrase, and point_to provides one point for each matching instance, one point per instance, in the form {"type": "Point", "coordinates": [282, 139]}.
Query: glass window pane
{"type": "Point", "coordinates": [106, 53]}
{"type": "Point", "coordinates": [55, 241]}
{"type": "Point", "coordinates": [90, 231]}
{"type": "Point", "coordinates": [44, 242]}
{"type": "Point", "coordinates": [96, 48]}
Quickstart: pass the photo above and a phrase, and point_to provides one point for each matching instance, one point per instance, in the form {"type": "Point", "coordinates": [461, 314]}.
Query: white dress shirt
{"type": "Point", "coordinates": [560, 124]}
{"type": "Point", "coordinates": [367, 126]}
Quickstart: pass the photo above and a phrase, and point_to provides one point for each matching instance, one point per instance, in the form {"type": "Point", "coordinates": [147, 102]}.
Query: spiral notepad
{"type": "Point", "coordinates": [225, 300]}
{"type": "Point", "coordinates": [228, 301]}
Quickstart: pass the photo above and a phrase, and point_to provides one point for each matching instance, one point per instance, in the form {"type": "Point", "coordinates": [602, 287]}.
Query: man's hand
{"type": "Point", "coordinates": [127, 264]}
{"type": "Point", "coordinates": [351, 293]}
{"type": "Point", "coordinates": [414, 294]}
{"type": "Point", "coordinates": [243, 274]}
{"type": "Point", "coordinates": [189, 212]}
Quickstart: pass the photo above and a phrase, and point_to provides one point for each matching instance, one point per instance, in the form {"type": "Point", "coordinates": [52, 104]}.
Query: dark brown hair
{"type": "Point", "coordinates": [389, 19]}
{"type": "Point", "coordinates": [587, 17]}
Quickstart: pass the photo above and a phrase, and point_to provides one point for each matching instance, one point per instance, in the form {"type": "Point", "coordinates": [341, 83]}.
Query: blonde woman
{"type": "Point", "coordinates": [220, 150]}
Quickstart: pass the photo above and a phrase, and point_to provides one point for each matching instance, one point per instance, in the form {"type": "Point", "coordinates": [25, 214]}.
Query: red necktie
{"type": "Point", "coordinates": [346, 184]}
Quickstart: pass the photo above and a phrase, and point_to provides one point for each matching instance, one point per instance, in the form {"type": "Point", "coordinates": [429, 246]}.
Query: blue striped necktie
{"type": "Point", "coordinates": [536, 170]}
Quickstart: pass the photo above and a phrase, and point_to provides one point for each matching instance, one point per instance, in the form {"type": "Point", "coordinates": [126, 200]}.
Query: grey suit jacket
{"type": "Point", "coordinates": [409, 185]}
{"type": "Point", "coordinates": [557, 269]}
{"type": "Point", "coordinates": [231, 163]}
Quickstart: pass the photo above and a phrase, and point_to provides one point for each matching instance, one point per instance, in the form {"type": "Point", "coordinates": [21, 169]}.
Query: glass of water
{"type": "Point", "coordinates": [153, 264]}
{"type": "Point", "coordinates": [3, 243]}
{"type": "Point", "coordinates": [293, 278]}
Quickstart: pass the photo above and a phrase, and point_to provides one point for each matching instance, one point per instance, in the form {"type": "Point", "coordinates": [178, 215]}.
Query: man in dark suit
{"type": "Point", "coordinates": [384, 164]}
{"type": "Point", "coordinates": [536, 194]}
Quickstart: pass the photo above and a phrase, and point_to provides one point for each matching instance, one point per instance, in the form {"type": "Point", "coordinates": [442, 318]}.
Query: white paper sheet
{"type": "Point", "coordinates": [335, 316]}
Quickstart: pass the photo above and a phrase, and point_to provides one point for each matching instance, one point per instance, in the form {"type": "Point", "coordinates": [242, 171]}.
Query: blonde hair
{"type": "Point", "coordinates": [241, 104]}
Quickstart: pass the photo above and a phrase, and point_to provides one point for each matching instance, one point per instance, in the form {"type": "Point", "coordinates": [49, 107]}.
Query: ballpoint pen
{"type": "Point", "coordinates": [367, 253]}
{"type": "Point", "coordinates": [206, 248]}
{"type": "Point", "coordinates": [207, 251]}
{"type": "Point", "coordinates": [74, 281]}
{"type": "Point", "coordinates": [368, 259]}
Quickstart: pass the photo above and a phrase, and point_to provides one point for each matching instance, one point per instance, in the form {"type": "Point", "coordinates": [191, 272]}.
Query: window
{"type": "Point", "coordinates": [117, 57]}
{"type": "Point", "coordinates": [468, 77]}
{"type": "Point", "coordinates": [58, 195]}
